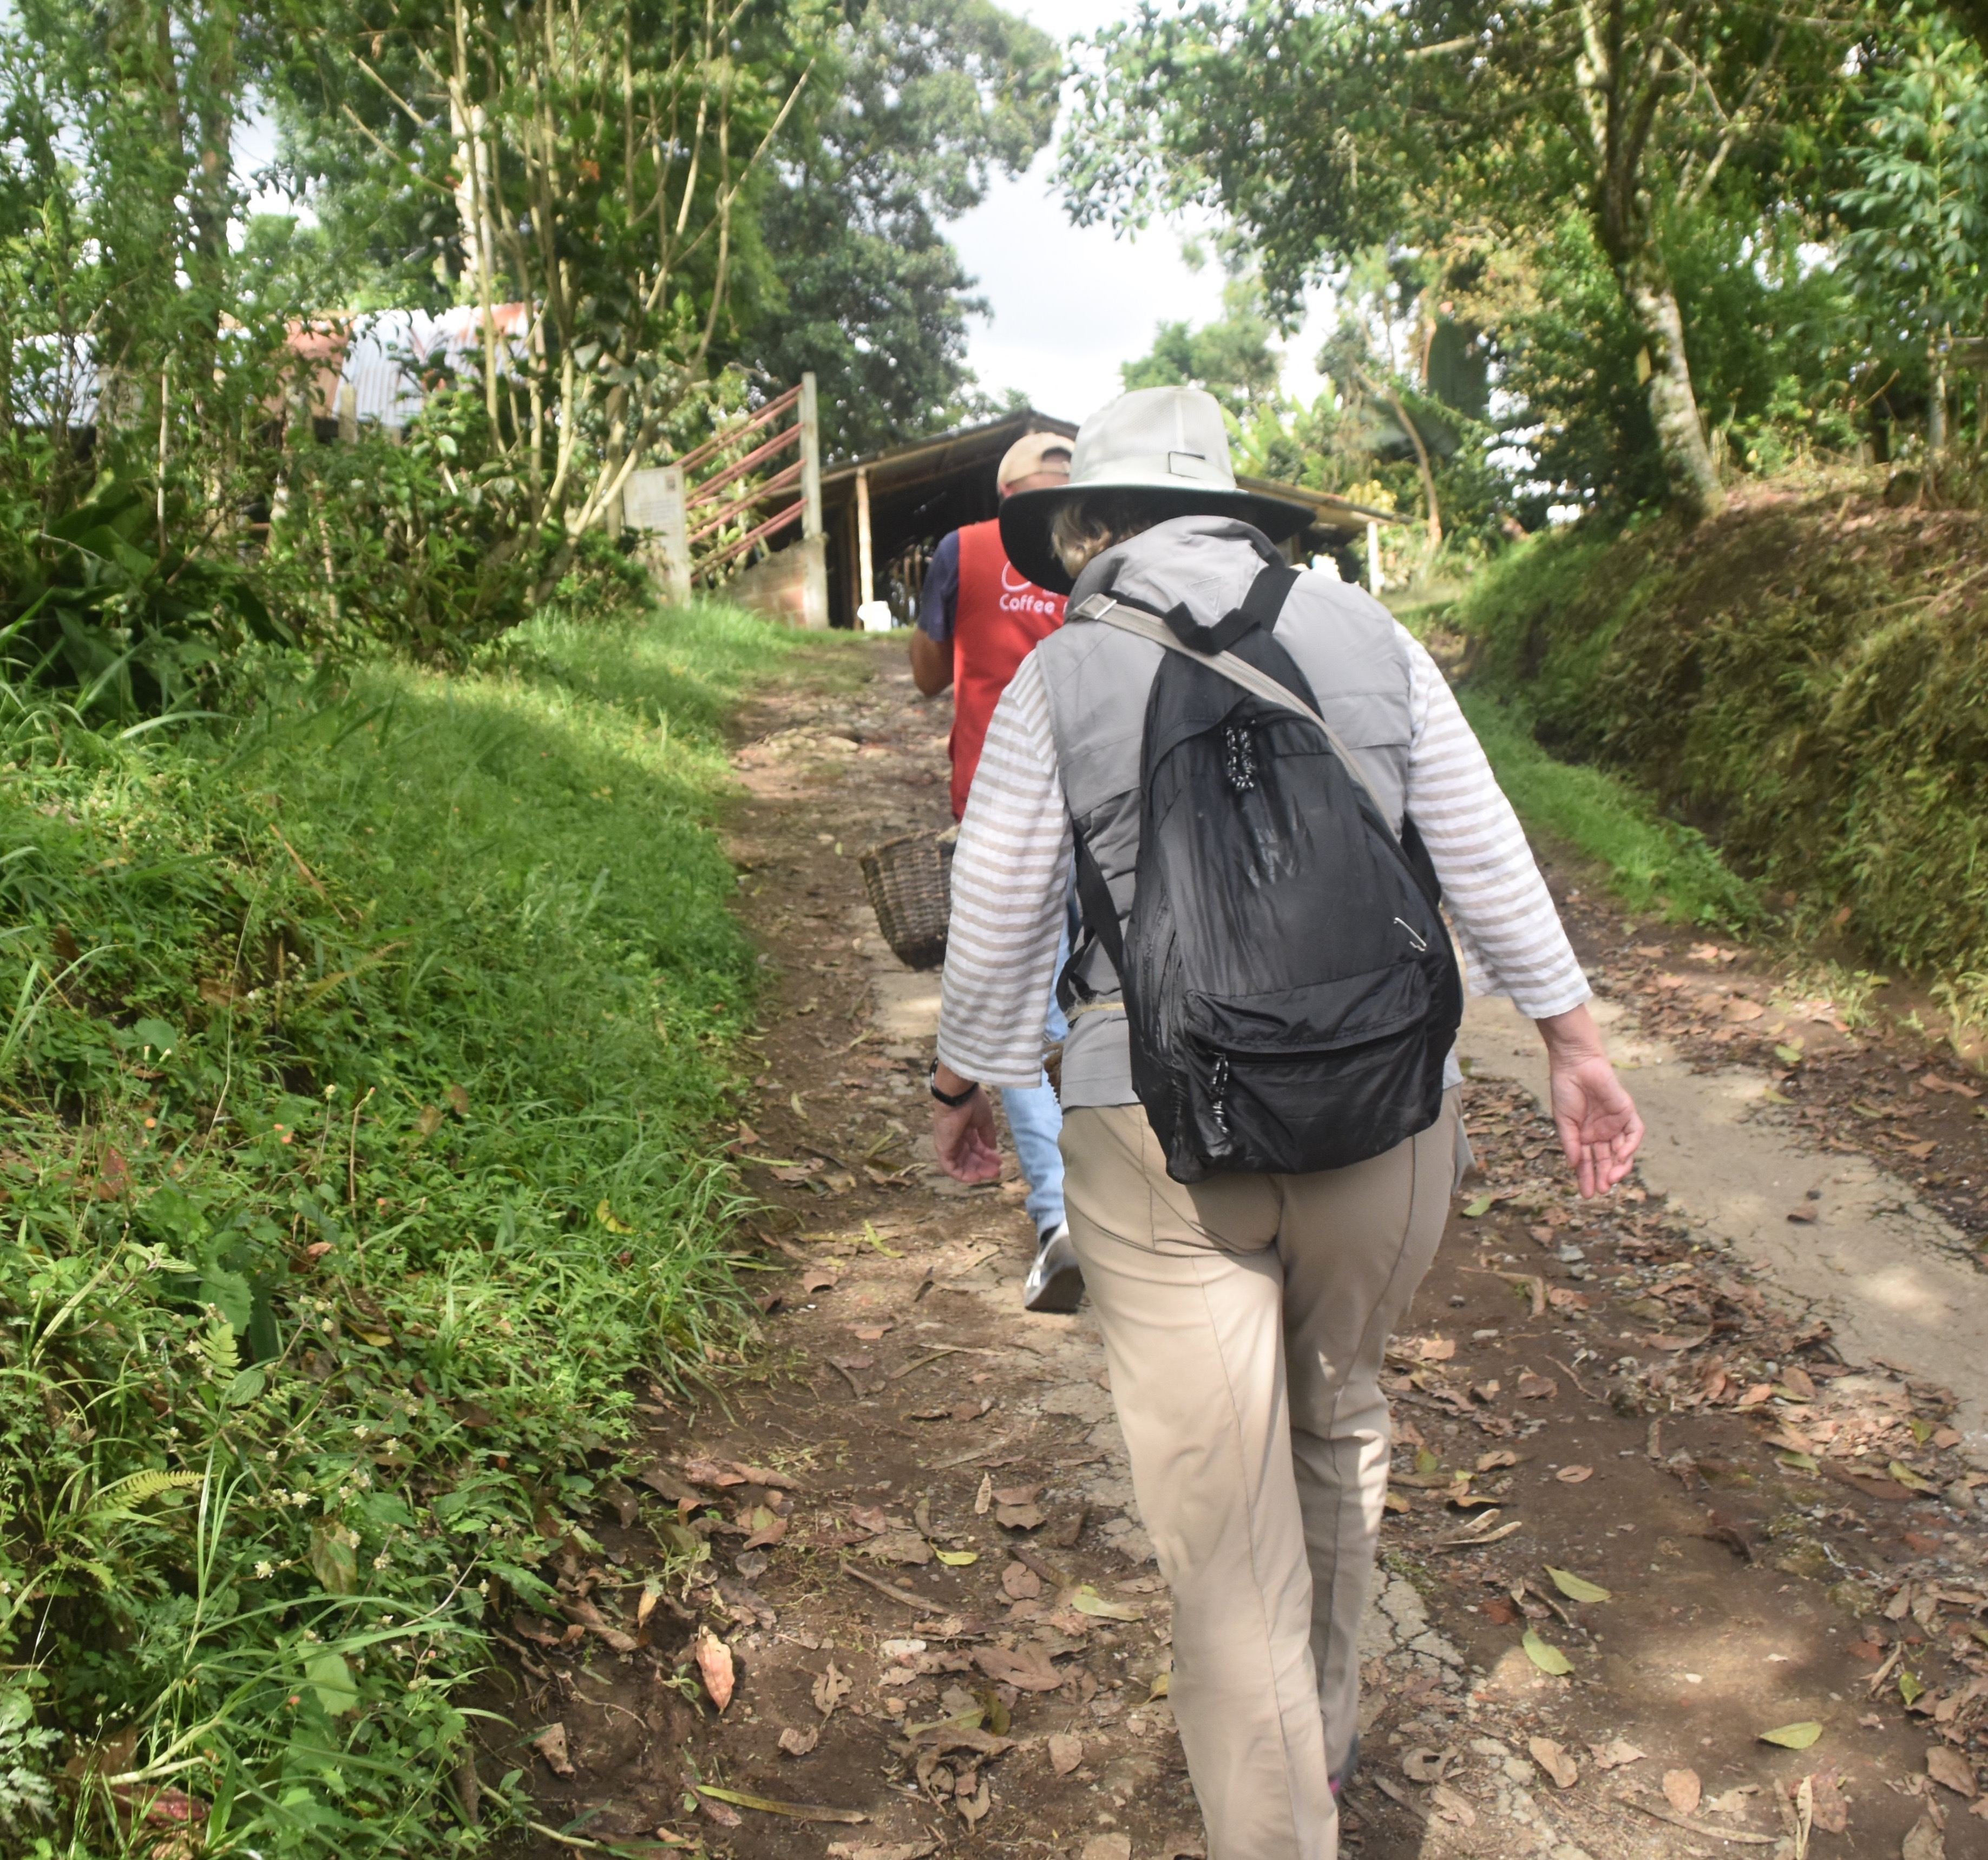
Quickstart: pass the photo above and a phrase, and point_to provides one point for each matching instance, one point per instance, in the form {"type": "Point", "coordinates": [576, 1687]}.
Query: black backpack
{"type": "Point", "coordinates": [1290, 984]}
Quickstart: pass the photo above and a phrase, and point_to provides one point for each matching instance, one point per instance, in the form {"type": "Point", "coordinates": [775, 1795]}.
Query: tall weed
{"type": "Point", "coordinates": [359, 1064]}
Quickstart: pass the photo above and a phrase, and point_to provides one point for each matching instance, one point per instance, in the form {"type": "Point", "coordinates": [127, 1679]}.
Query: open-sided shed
{"type": "Point", "coordinates": [884, 514]}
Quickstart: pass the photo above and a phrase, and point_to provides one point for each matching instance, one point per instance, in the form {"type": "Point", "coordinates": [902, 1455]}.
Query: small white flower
{"type": "Point", "coordinates": [265, 1570]}
{"type": "Point", "coordinates": [382, 1561]}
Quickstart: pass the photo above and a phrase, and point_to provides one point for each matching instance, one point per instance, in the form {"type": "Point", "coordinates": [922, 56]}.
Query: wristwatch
{"type": "Point", "coordinates": [951, 1100]}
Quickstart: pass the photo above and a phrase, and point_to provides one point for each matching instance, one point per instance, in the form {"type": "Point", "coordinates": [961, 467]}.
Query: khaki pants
{"type": "Point", "coordinates": [1244, 1319]}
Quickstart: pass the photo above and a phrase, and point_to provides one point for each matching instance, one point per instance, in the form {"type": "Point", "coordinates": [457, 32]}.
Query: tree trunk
{"type": "Point", "coordinates": [1431, 514]}
{"type": "Point", "coordinates": [1694, 479]}
{"type": "Point", "coordinates": [1936, 404]}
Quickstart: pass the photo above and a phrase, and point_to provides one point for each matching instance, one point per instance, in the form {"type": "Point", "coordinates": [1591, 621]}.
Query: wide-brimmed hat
{"type": "Point", "coordinates": [1167, 445]}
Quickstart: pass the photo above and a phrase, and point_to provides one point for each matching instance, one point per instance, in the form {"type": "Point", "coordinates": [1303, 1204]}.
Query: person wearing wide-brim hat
{"type": "Point", "coordinates": [1153, 454]}
{"type": "Point", "coordinates": [1244, 1315]}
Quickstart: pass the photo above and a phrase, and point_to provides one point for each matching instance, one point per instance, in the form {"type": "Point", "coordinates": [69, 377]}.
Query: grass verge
{"type": "Point", "coordinates": [359, 1061]}
{"type": "Point", "coordinates": [1654, 866]}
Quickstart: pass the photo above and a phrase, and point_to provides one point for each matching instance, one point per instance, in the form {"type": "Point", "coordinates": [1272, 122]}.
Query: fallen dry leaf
{"type": "Point", "coordinates": [583, 1614]}
{"type": "Point", "coordinates": [722, 1813]}
{"type": "Point", "coordinates": [1108, 1847]}
{"type": "Point", "coordinates": [1021, 1583]}
{"type": "Point", "coordinates": [797, 1743]}
{"type": "Point", "coordinates": [714, 1664]}
{"type": "Point", "coordinates": [831, 1689]}
{"type": "Point", "coordinates": [1435, 1349]}
{"type": "Point", "coordinates": [1951, 1770]}
{"type": "Point", "coordinates": [1499, 1456]}
{"type": "Point", "coordinates": [1555, 1761]}
{"type": "Point", "coordinates": [1452, 1807]}
{"type": "Point", "coordinates": [1933, 1082]}
{"type": "Point", "coordinates": [819, 1279]}
{"type": "Point", "coordinates": [1066, 1752]}
{"type": "Point", "coordinates": [984, 1496]}
{"type": "Point", "coordinates": [550, 1743]}
{"type": "Point", "coordinates": [1537, 1388]}
{"type": "Point", "coordinates": [900, 1547]}
{"type": "Point", "coordinates": [1027, 1669]}
{"type": "Point", "coordinates": [1682, 1789]}
{"type": "Point", "coordinates": [1424, 1765]}
{"type": "Point", "coordinates": [1830, 1811]}
{"type": "Point", "coordinates": [1574, 1475]}
{"type": "Point", "coordinates": [766, 1528]}
{"type": "Point", "coordinates": [1924, 1842]}
{"type": "Point", "coordinates": [1613, 1754]}
{"type": "Point", "coordinates": [870, 1518]}
{"type": "Point", "coordinates": [1020, 1517]}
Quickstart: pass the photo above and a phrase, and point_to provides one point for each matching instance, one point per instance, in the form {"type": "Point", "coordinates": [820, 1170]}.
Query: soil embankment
{"type": "Point", "coordinates": [1647, 1504]}
{"type": "Point", "coordinates": [1803, 676]}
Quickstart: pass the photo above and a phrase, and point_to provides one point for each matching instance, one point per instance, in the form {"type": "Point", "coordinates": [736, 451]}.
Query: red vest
{"type": "Point", "coordinates": [998, 620]}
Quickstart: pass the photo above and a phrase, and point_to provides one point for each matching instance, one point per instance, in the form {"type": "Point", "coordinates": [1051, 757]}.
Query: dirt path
{"type": "Point", "coordinates": [926, 1566]}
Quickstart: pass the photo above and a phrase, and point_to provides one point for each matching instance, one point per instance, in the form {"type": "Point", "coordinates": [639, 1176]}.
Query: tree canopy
{"type": "Point", "coordinates": [1512, 158]}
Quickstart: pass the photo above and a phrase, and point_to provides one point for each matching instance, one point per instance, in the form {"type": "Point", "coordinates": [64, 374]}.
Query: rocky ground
{"type": "Point", "coordinates": [1665, 1571]}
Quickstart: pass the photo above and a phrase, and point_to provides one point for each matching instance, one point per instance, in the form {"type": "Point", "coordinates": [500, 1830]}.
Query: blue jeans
{"type": "Point", "coordinates": [1035, 1118]}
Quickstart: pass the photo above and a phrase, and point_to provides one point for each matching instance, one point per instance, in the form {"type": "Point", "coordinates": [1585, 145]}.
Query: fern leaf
{"type": "Point", "coordinates": [136, 1488]}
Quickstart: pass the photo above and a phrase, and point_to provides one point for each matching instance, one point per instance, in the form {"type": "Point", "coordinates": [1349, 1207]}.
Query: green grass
{"type": "Point", "coordinates": [1653, 866]}
{"type": "Point", "coordinates": [359, 1065]}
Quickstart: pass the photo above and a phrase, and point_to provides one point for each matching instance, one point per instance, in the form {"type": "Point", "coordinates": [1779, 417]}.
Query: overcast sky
{"type": "Point", "coordinates": [1070, 305]}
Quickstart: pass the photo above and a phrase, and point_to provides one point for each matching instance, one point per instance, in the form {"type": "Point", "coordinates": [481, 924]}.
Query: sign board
{"type": "Point", "coordinates": [653, 501]}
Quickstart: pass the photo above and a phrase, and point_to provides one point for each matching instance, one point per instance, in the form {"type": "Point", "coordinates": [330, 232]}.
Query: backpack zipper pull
{"type": "Point", "coordinates": [1415, 936]}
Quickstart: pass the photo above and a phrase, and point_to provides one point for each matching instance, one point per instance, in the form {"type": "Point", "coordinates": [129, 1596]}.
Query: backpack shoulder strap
{"type": "Point", "coordinates": [1100, 923]}
{"type": "Point", "coordinates": [1115, 612]}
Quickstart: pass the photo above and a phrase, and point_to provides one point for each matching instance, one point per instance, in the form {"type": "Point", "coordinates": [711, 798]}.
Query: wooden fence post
{"type": "Point", "coordinates": [810, 459]}
{"type": "Point", "coordinates": [866, 569]}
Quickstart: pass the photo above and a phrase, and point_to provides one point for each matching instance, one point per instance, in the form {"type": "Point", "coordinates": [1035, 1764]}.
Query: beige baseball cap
{"type": "Point", "coordinates": [1032, 453]}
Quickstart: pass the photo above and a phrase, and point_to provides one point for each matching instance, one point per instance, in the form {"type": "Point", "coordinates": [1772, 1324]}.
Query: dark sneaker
{"type": "Point", "coordinates": [1055, 1282]}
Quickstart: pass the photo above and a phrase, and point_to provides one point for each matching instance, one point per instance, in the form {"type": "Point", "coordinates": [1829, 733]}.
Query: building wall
{"type": "Point", "coordinates": [791, 586]}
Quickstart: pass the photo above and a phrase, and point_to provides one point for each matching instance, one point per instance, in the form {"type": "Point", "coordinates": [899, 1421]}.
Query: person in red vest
{"type": "Point", "coordinates": [979, 617]}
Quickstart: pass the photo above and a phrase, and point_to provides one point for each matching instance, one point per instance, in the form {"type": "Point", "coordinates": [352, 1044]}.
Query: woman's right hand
{"type": "Point", "coordinates": [1599, 1128]}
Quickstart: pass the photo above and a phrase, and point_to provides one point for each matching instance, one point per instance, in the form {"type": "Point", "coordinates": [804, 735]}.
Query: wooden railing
{"type": "Point", "coordinates": [703, 513]}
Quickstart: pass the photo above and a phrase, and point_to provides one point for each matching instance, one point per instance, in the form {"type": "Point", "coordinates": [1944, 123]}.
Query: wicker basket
{"type": "Point", "coordinates": [910, 884]}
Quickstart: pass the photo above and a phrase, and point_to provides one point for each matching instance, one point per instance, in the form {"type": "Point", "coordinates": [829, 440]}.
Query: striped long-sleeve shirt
{"type": "Point", "coordinates": [1011, 876]}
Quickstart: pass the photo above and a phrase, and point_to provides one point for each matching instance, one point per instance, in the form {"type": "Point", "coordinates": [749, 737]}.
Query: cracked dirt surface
{"type": "Point", "coordinates": [907, 1530]}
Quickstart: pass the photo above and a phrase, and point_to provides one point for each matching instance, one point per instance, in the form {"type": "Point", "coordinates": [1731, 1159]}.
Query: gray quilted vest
{"type": "Point", "coordinates": [1099, 678]}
